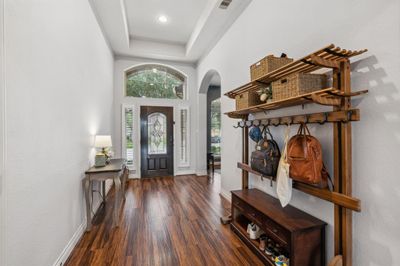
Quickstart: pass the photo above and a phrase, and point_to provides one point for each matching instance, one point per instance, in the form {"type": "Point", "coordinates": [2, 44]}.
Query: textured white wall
{"type": "Point", "coordinates": [121, 65]}
{"type": "Point", "coordinates": [59, 94]}
{"type": "Point", "coordinates": [300, 27]}
{"type": "Point", "coordinates": [2, 109]}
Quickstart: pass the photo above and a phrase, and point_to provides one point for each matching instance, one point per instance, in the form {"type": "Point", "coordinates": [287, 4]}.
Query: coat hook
{"type": "Point", "coordinates": [265, 124]}
{"type": "Point", "coordinates": [241, 124]}
{"type": "Point", "coordinates": [277, 124]}
{"type": "Point", "coordinates": [349, 114]}
{"type": "Point", "coordinates": [306, 119]}
{"type": "Point", "coordinates": [325, 119]}
{"type": "Point", "coordinates": [256, 123]}
{"type": "Point", "coordinates": [236, 126]}
{"type": "Point", "coordinates": [249, 123]}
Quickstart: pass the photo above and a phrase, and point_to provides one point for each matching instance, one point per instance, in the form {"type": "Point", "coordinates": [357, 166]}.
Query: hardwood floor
{"type": "Point", "coordinates": [164, 221]}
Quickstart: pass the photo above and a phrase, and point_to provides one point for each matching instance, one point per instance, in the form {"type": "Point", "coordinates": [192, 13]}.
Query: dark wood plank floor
{"type": "Point", "coordinates": [164, 221]}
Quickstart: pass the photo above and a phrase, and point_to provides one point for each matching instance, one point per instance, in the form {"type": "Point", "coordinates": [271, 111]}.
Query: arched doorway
{"type": "Point", "coordinates": [211, 89]}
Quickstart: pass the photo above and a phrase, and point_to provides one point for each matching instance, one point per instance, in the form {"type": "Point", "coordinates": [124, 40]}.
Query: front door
{"type": "Point", "coordinates": [157, 141]}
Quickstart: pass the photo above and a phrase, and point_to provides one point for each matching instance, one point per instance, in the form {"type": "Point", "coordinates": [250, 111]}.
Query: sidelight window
{"type": "Point", "coordinates": [128, 137]}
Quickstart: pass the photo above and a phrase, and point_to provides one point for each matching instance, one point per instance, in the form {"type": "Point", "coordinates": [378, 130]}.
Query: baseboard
{"type": "Point", "coordinates": [77, 236]}
{"type": "Point", "coordinates": [226, 195]}
{"type": "Point", "coordinates": [184, 172]}
{"type": "Point", "coordinates": [133, 176]}
{"type": "Point", "coordinates": [201, 172]}
{"type": "Point", "coordinates": [71, 245]}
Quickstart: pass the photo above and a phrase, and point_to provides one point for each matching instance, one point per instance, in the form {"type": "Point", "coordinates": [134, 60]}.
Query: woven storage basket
{"type": "Point", "coordinates": [247, 99]}
{"type": "Point", "coordinates": [266, 65]}
{"type": "Point", "coordinates": [297, 84]}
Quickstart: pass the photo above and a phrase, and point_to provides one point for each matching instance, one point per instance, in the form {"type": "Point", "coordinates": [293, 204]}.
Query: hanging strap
{"type": "Point", "coordinates": [284, 153]}
{"type": "Point", "coordinates": [267, 132]}
{"type": "Point", "coordinates": [328, 177]}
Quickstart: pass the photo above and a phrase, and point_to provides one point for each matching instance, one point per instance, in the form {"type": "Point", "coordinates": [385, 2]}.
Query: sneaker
{"type": "Point", "coordinates": [268, 251]}
{"type": "Point", "coordinates": [249, 228]}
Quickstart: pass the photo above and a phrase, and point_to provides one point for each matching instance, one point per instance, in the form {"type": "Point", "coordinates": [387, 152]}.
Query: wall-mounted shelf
{"type": "Point", "coordinates": [327, 57]}
{"type": "Point", "coordinates": [329, 96]}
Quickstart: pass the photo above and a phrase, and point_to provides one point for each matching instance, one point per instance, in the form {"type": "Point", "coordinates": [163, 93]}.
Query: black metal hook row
{"type": "Point", "coordinates": [270, 121]}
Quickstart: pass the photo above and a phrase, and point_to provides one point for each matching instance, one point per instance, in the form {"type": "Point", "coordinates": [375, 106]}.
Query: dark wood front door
{"type": "Point", "coordinates": [157, 141]}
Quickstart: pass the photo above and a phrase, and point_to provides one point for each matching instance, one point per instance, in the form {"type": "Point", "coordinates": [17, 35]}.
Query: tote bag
{"type": "Point", "coordinates": [284, 182]}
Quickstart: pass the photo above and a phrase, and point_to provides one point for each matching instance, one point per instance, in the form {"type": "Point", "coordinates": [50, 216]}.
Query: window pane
{"type": "Point", "coordinates": [152, 81]}
{"type": "Point", "coordinates": [129, 135]}
{"type": "Point", "coordinates": [184, 136]}
{"type": "Point", "coordinates": [157, 133]}
{"type": "Point", "coordinates": [216, 126]}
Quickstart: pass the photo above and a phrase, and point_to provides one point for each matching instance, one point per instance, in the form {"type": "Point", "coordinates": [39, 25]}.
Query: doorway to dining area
{"type": "Point", "coordinates": [214, 126]}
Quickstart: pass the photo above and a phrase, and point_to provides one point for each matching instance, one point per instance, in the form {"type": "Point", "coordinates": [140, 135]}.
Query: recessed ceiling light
{"type": "Point", "coordinates": [163, 19]}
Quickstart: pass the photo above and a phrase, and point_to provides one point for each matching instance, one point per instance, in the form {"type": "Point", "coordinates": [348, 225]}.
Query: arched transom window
{"type": "Point", "coordinates": [155, 81]}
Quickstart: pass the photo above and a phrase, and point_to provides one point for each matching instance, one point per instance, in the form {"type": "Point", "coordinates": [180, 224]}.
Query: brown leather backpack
{"type": "Point", "coordinates": [304, 155]}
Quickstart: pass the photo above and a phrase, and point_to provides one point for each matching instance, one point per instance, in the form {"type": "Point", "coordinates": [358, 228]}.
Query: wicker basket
{"type": "Point", "coordinates": [247, 99]}
{"type": "Point", "coordinates": [297, 84]}
{"type": "Point", "coordinates": [266, 65]}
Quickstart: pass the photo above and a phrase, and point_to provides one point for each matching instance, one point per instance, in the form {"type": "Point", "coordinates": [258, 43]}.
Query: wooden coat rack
{"type": "Point", "coordinates": [339, 97]}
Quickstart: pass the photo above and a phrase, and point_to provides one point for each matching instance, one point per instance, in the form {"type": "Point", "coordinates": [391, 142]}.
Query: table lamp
{"type": "Point", "coordinates": [103, 142]}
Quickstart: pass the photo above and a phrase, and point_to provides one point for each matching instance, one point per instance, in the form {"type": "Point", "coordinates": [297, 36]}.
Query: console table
{"type": "Point", "coordinates": [117, 171]}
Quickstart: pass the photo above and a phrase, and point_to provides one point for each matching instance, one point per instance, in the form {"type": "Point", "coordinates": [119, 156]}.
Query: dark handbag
{"type": "Point", "coordinates": [265, 159]}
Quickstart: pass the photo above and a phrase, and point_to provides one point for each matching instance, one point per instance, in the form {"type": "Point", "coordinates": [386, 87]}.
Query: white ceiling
{"type": "Point", "coordinates": [193, 28]}
{"type": "Point", "coordinates": [142, 16]}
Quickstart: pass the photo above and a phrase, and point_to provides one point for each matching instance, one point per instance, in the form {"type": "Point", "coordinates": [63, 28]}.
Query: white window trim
{"type": "Point", "coordinates": [188, 137]}
{"type": "Point", "coordinates": [185, 87]}
{"type": "Point", "coordinates": [131, 167]}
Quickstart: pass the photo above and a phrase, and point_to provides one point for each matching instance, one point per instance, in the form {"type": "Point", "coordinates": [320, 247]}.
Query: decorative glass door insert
{"type": "Point", "coordinates": [157, 133]}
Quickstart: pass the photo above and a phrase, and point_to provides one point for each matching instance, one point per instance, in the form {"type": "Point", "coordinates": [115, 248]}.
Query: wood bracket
{"type": "Point", "coordinates": [261, 83]}
{"type": "Point", "coordinates": [319, 61]}
{"type": "Point", "coordinates": [331, 101]}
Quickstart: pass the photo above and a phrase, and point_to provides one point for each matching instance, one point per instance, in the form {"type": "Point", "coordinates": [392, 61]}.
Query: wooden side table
{"type": "Point", "coordinates": [117, 171]}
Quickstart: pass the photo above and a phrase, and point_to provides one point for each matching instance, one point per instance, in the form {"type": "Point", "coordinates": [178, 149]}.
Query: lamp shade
{"type": "Point", "coordinates": [102, 141]}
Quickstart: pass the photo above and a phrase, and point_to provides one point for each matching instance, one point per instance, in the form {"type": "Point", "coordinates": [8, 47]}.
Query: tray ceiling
{"type": "Point", "coordinates": [193, 27]}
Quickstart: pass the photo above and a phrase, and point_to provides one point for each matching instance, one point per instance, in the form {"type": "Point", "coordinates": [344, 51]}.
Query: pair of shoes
{"type": "Point", "coordinates": [254, 231]}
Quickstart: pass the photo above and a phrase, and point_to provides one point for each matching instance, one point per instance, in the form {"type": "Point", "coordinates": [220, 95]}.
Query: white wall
{"type": "Point", "coordinates": [59, 94]}
{"type": "Point", "coordinates": [2, 109]}
{"type": "Point", "coordinates": [298, 28]}
{"type": "Point", "coordinates": [124, 63]}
